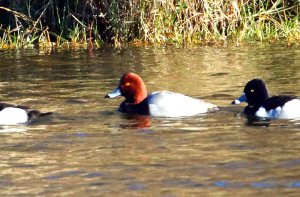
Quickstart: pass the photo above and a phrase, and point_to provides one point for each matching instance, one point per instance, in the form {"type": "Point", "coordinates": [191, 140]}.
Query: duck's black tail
{"type": "Point", "coordinates": [33, 114]}
{"type": "Point", "coordinates": [45, 114]}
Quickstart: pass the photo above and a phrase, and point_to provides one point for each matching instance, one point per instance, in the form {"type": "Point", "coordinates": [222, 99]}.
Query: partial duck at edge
{"type": "Point", "coordinates": [260, 104]}
{"type": "Point", "coordinates": [15, 114]}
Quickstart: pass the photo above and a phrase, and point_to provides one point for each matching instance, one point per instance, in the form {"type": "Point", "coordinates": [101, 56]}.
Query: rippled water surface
{"type": "Point", "coordinates": [89, 149]}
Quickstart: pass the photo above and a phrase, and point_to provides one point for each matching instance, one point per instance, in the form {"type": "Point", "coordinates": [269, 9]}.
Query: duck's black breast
{"type": "Point", "coordinates": [251, 109]}
{"type": "Point", "coordinates": [140, 108]}
{"type": "Point", "coordinates": [277, 101]}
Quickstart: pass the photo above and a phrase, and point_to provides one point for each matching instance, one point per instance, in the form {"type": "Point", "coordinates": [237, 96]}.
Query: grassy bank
{"type": "Point", "coordinates": [88, 23]}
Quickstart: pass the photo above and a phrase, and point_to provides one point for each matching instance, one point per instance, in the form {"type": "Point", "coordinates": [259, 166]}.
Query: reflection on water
{"type": "Point", "coordinates": [89, 149]}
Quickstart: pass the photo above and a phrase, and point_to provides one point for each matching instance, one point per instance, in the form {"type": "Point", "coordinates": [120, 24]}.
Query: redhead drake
{"type": "Point", "coordinates": [16, 114]}
{"type": "Point", "coordinates": [260, 104]}
{"type": "Point", "coordinates": [157, 104]}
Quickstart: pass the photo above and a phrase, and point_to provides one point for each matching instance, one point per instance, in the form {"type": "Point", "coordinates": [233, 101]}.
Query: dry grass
{"type": "Point", "coordinates": [88, 23]}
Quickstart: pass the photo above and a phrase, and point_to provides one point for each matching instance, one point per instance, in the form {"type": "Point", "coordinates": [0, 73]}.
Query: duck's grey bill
{"type": "Point", "coordinates": [114, 93]}
{"type": "Point", "coordinates": [240, 100]}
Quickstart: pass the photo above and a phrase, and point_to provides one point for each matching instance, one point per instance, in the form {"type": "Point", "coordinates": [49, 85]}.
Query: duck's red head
{"type": "Point", "coordinates": [131, 87]}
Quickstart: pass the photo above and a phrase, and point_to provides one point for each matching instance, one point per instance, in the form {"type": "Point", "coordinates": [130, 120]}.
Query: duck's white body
{"type": "Point", "coordinates": [12, 116]}
{"type": "Point", "coordinates": [171, 104]}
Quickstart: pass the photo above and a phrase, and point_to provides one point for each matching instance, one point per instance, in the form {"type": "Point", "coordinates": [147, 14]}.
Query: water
{"type": "Point", "coordinates": [89, 149]}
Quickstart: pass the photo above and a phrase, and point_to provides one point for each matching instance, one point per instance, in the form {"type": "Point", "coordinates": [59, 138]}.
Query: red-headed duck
{"type": "Point", "coordinates": [261, 105]}
{"type": "Point", "coordinates": [157, 104]}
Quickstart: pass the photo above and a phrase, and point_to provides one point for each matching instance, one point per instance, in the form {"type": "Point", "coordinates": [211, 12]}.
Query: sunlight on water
{"type": "Point", "coordinates": [88, 148]}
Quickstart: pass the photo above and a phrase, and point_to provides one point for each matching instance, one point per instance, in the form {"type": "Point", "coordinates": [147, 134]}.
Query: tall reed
{"type": "Point", "coordinates": [88, 23]}
{"type": "Point", "coordinates": [190, 21]}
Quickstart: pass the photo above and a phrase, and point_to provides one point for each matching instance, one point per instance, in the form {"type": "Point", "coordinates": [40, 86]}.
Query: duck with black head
{"type": "Point", "coordinates": [260, 104]}
{"type": "Point", "coordinates": [156, 104]}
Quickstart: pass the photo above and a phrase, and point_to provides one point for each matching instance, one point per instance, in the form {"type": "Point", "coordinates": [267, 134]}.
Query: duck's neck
{"type": "Point", "coordinates": [141, 96]}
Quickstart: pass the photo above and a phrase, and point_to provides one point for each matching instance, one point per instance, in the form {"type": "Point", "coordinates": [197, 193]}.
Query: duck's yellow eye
{"type": "Point", "coordinates": [251, 90]}
{"type": "Point", "coordinates": [127, 84]}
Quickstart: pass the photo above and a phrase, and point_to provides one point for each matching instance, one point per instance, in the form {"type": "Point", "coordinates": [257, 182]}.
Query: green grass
{"type": "Point", "coordinates": [88, 24]}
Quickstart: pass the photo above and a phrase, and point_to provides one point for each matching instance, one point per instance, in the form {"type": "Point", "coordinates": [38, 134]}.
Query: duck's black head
{"type": "Point", "coordinates": [256, 92]}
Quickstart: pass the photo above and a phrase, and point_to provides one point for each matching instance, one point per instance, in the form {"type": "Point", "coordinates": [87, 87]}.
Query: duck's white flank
{"type": "Point", "coordinates": [13, 115]}
{"type": "Point", "coordinates": [170, 104]}
{"type": "Point", "coordinates": [288, 111]}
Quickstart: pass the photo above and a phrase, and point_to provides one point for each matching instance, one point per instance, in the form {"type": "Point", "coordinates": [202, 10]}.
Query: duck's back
{"type": "Point", "coordinates": [282, 107]}
{"type": "Point", "coordinates": [170, 104]}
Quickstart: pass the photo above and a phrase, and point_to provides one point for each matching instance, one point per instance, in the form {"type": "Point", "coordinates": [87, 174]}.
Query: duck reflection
{"type": "Point", "coordinates": [257, 121]}
{"type": "Point", "coordinates": [136, 121]}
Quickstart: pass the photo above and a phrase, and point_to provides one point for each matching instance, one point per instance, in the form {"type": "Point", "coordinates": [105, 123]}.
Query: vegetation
{"type": "Point", "coordinates": [88, 23]}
